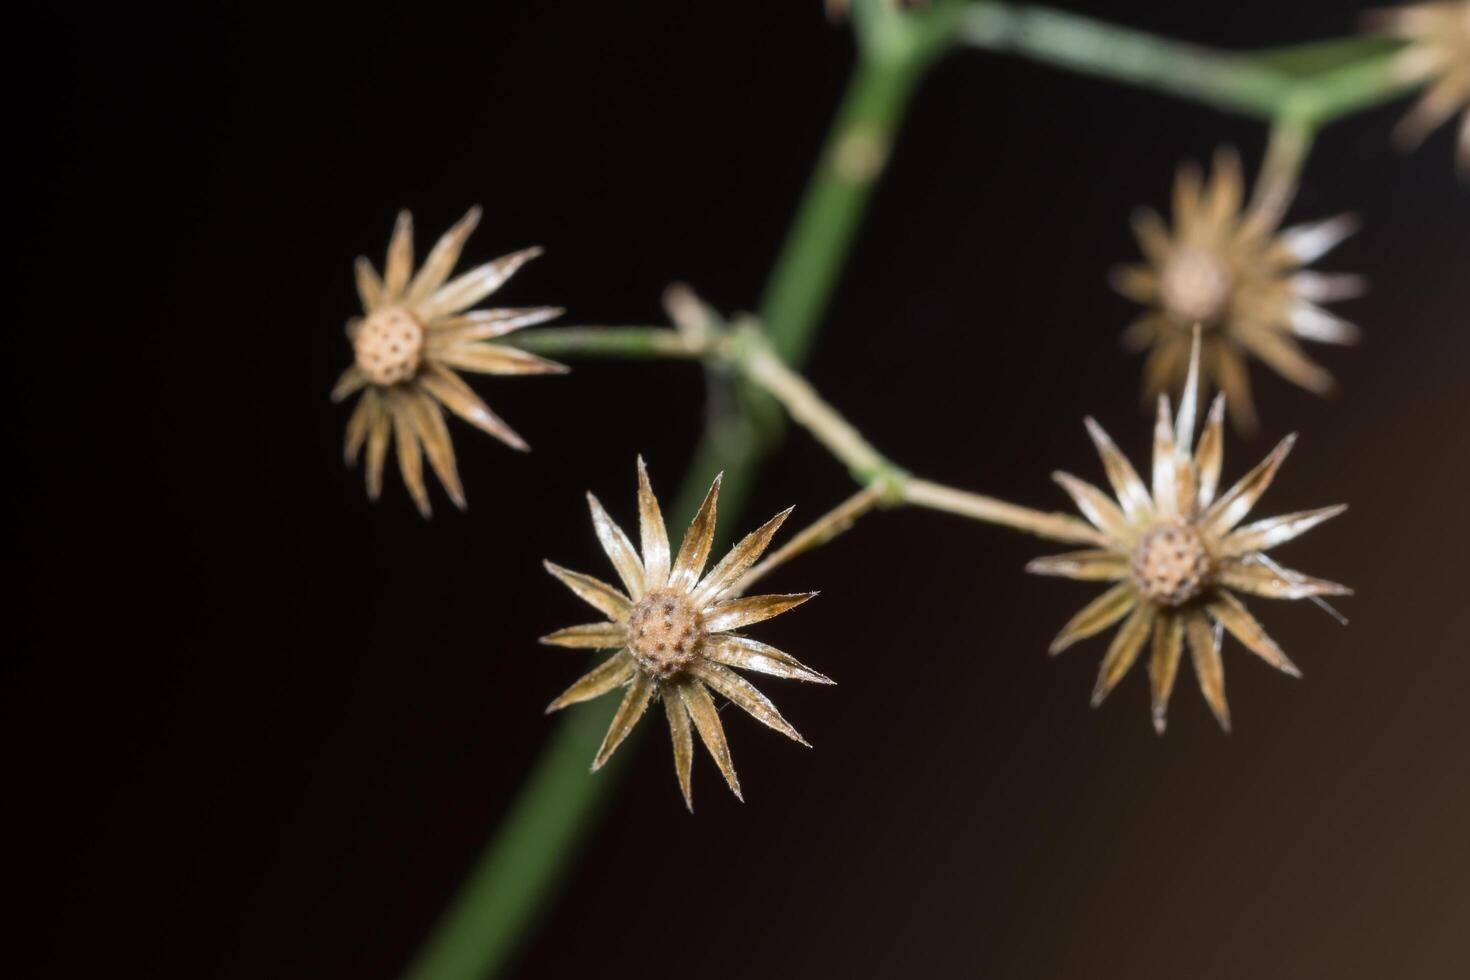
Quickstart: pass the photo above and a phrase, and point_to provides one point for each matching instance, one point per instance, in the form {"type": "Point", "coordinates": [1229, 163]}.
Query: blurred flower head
{"type": "Point", "coordinates": [1438, 54]}
{"type": "Point", "coordinates": [1177, 554]}
{"type": "Point", "coordinates": [1224, 267]}
{"type": "Point", "coordinates": [673, 627]}
{"type": "Point", "coordinates": [415, 331]}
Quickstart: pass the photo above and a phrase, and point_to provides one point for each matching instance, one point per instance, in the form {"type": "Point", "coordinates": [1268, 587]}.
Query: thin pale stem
{"type": "Point", "coordinates": [762, 366]}
{"type": "Point", "coordinates": [836, 521]}
{"type": "Point", "coordinates": [936, 496]}
{"type": "Point", "coordinates": [1286, 153]}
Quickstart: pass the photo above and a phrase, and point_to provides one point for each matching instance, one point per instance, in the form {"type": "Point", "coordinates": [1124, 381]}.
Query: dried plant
{"type": "Point", "coordinates": [1223, 285]}
{"type": "Point", "coordinates": [674, 632]}
{"type": "Point", "coordinates": [1438, 53]}
{"type": "Point", "coordinates": [1178, 555]}
{"type": "Point", "coordinates": [1224, 266]}
{"type": "Point", "coordinates": [416, 329]}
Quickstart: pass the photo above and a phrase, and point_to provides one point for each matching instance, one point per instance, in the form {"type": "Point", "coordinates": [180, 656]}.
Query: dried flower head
{"type": "Point", "coordinates": [415, 330]}
{"type": "Point", "coordinates": [1178, 556]}
{"type": "Point", "coordinates": [1226, 269]}
{"type": "Point", "coordinates": [1438, 53]}
{"type": "Point", "coordinates": [673, 632]}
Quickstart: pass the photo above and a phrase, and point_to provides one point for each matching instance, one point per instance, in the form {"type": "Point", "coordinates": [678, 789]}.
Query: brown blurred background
{"type": "Point", "coordinates": [262, 727]}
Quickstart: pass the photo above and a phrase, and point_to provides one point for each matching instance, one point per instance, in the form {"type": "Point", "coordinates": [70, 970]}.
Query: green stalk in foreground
{"type": "Point", "coordinates": [541, 834]}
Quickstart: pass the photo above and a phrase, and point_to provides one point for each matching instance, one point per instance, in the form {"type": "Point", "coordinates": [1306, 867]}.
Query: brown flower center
{"type": "Point", "coordinates": [388, 346]}
{"type": "Point", "coordinates": [1171, 564]}
{"type": "Point", "coordinates": [664, 631]}
{"type": "Point", "coordinates": [1196, 285]}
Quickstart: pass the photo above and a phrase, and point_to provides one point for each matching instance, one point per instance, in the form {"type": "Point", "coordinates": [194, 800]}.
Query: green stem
{"type": "Point", "coordinates": [1084, 45]}
{"type": "Point", "coordinates": [1260, 84]}
{"type": "Point", "coordinates": [536, 841]}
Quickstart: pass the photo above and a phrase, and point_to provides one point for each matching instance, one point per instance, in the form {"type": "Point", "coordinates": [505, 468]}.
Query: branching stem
{"type": "Point", "coordinates": [748, 352]}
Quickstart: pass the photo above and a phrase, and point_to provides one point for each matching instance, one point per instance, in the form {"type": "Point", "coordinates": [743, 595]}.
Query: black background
{"type": "Point", "coordinates": [262, 726]}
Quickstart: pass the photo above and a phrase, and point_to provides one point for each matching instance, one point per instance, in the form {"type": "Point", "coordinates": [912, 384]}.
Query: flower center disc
{"type": "Point", "coordinates": [664, 631]}
{"type": "Point", "coordinates": [1171, 565]}
{"type": "Point", "coordinates": [1196, 285]}
{"type": "Point", "coordinates": [388, 345]}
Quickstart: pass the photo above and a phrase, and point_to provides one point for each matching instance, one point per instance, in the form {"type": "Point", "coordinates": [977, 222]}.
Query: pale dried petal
{"type": "Point", "coordinates": [377, 451]}
{"type": "Point", "coordinates": [441, 258]}
{"type": "Point", "coordinates": [1324, 287]}
{"type": "Point", "coordinates": [475, 285]}
{"type": "Point", "coordinates": [1285, 357]}
{"type": "Point", "coordinates": [1127, 485]}
{"type": "Point", "coordinates": [1187, 194]}
{"type": "Point", "coordinates": [1139, 283]}
{"type": "Point", "coordinates": [428, 424]}
{"type": "Point", "coordinates": [1267, 534]}
{"type": "Point", "coordinates": [738, 613]}
{"type": "Point", "coordinates": [1260, 579]}
{"type": "Point", "coordinates": [653, 537]}
{"type": "Point", "coordinates": [702, 710]}
{"type": "Point", "coordinates": [1123, 651]}
{"type": "Point", "coordinates": [607, 676]}
{"type": "Point", "coordinates": [619, 549]}
{"type": "Point", "coordinates": [350, 381]}
{"type": "Point", "coordinates": [1188, 406]}
{"type": "Point", "coordinates": [1443, 99]}
{"type": "Point", "coordinates": [400, 259]}
{"type": "Point", "coordinates": [1092, 565]}
{"type": "Point", "coordinates": [1231, 509]}
{"type": "Point", "coordinates": [1309, 242]}
{"type": "Point", "coordinates": [1152, 234]}
{"type": "Point", "coordinates": [357, 426]}
{"type": "Point", "coordinates": [683, 737]}
{"type": "Point", "coordinates": [1165, 475]}
{"type": "Point", "coordinates": [595, 592]}
{"type": "Point", "coordinates": [1097, 616]}
{"type": "Point", "coordinates": [694, 551]}
{"type": "Point", "coordinates": [1144, 332]}
{"type": "Point", "coordinates": [486, 324]}
{"type": "Point", "coordinates": [410, 461]}
{"type": "Point", "coordinates": [744, 694]}
{"type": "Point", "coordinates": [635, 702]}
{"type": "Point", "coordinates": [588, 636]}
{"type": "Point", "coordinates": [369, 286]}
{"type": "Point", "coordinates": [1208, 669]}
{"type": "Point", "coordinates": [1230, 375]}
{"type": "Point", "coordinates": [1229, 612]}
{"type": "Point", "coordinates": [748, 654]}
{"type": "Point", "coordinates": [1165, 363]}
{"type": "Point", "coordinates": [496, 359]}
{"type": "Point", "coordinates": [1163, 666]}
{"type": "Point", "coordinates": [1222, 198]}
{"type": "Point", "coordinates": [1209, 454]}
{"type": "Point", "coordinates": [1311, 322]}
{"type": "Point", "coordinates": [450, 389]}
{"type": "Point", "coordinates": [737, 560]}
{"type": "Point", "coordinates": [1096, 506]}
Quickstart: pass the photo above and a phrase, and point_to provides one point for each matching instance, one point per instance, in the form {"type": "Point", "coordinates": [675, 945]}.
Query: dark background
{"type": "Point", "coordinates": [261, 727]}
